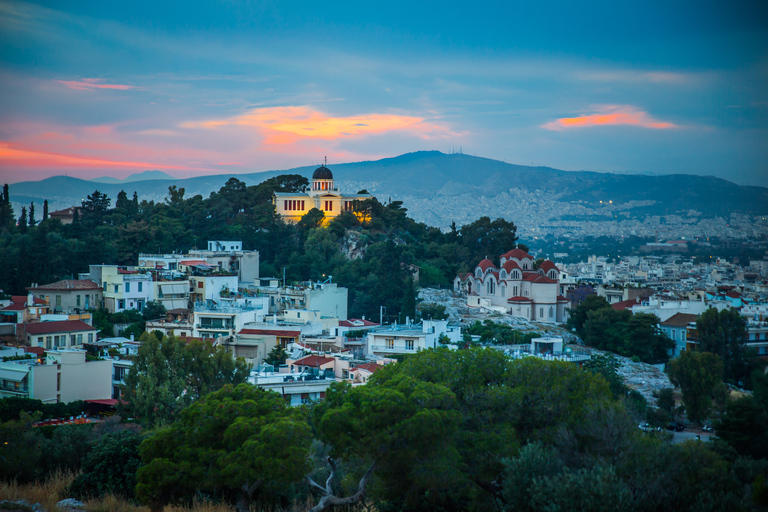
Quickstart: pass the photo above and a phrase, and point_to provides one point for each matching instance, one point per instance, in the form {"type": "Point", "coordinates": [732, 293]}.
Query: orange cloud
{"type": "Point", "coordinates": [87, 84]}
{"type": "Point", "coordinates": [285, 125]}
{"type": "Point", "coordinates": [610, 115]}
{"type": "Point", "coordinates": [19, 157]}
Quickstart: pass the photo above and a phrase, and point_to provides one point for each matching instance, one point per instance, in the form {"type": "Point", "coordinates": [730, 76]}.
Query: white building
{"type": "Point", "coordinates": [214, 320]}
{"type": "Point", "coordinates": [323, 195]}
{"type": "Point", "coordinates": [63, 376]}
{"type": "Point", "coordinates": [407, 339]}
{"type": "Point", "coordinates": [123, 288]}
{"type": "Point", "coordinates": [223, 255]}
{"type": "Point", "coordinates": [515, 288]}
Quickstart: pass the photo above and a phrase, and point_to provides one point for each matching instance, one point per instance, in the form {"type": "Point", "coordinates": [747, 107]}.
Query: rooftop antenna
{"type": "Point", "coordinates": [325, 161]}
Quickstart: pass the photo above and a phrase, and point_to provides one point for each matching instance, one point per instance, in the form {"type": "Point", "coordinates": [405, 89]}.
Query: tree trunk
{"type": "Point", "coordinates": [329, 500]}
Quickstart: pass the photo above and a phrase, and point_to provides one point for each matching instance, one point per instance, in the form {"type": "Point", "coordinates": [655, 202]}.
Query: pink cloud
{"type": "Point", "coordinates": [87, 84]}
{"type": "Point", "coordinates": [610, 115]}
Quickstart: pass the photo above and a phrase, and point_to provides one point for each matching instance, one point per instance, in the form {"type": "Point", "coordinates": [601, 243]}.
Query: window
{"type": "Point", "coordinates": [72, 340]}
{"type": "Point", "coordinates": [127, 287]}
{"type": "Point", "coordinates": [58, 301]}
{"type": "Point", "coordinates": [503, 291]}
{"type": "Point", "coordinates": [514, 291]}
{"type": "Point", "coordinates": [121, 304]}
{"type": "Point", "coordinates": [49, 342]}
{"type": "Point", "coordinates": [390, 344]}
{"type": "Point", "coordinates": [79, 339]}
{"type": "Point", "coordinates": [408, 344]}
{"type": "Point", "coordinates": [55, 341]}
{"type": "Point", "coordinates": [551, 311]}
{"type": "Point", "coordinates": [87, 301]}
{"type": "Point", "coordinates": [541, 312]}
{"type": "Point", "coordinates": [116, 288]}
{"type": "Point", "coordinates": [39, 341]}
{"type": "Point", "coordinates": [90, 337]}
{"type": "Point", "coordinates": [78, 301]}
{"type": "Point", "coordinates": [199, 284]}
{"type": "Point", "coordinates": [140, 286]}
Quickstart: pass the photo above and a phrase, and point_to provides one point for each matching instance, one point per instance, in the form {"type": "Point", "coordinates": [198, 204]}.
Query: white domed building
{"type": "Point", "coordinates": [322, 194]}
{"type": "Point", "coordinates": [515, 287]}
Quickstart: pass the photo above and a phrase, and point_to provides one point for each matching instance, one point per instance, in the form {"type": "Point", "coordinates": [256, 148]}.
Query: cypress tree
{"type": "Point", "coordinates": [32, 220]}
{"type": "Point", "coordinates": [45, 210]}
{"type": "Point", "coordinates": [23, 220]}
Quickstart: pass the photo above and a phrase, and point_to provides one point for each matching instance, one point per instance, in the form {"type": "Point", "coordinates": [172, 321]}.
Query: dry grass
{"type": "Point", "coordinates": [53, 490]}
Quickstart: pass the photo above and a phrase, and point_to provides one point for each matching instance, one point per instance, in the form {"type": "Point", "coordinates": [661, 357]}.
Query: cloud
{"type": "Point", "coordinates": [87, 84]}
{"type": "Point", "coordinates": [284, 125]}
{"type": "Point", "coordinates": [610, 115]}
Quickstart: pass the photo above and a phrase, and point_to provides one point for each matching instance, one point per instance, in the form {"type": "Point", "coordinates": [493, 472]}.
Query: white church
{"type": "Point", "coordinates": [515, 288]}
{"type": "Point", "coordinates": [322, 194]}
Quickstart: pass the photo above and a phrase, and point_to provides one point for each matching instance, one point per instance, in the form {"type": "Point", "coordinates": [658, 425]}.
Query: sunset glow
{"type": "Point", "coordinates": [93, 83]}
{"type": "Point", "coordinates": [610, 115]}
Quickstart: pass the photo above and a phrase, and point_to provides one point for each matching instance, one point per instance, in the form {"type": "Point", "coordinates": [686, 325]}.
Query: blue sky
{"type": "Point", "coordinates": [103, 88]}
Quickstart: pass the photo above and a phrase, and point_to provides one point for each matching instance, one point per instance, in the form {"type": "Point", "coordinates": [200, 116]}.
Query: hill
{"type": "Point", "coordinates": [439, 188]}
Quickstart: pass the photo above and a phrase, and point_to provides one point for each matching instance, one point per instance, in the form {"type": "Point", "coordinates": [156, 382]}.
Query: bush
{"type": "Point", "coordinates": [110, 468]}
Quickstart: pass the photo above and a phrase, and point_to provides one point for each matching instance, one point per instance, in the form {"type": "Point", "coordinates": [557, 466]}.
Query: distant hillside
{"type": "Point", "coordinates": [434, 185]}
{"type": "Point", "coordinates": [142, 176]}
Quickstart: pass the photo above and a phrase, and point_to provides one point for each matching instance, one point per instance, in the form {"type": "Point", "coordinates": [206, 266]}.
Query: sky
{"type": "Point", "coordinates": [92, 89]}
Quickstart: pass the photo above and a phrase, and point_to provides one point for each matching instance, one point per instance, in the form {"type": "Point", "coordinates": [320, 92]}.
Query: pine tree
{"type": "Point", "coordinates": [23, 220]}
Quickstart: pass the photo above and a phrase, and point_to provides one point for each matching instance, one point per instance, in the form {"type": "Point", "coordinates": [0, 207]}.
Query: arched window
{"type": "Point", "coordinates": [514, 291]}
{"type": "Point", "coordinates": [526, 293]}
{"type": "Point", "coordinates": [503, 274]}
{"type": "Point", "coordinates": [478, 272]}
{"type": "Point", "coordinates": [551, 311]}
{"type": "Point", "coordinates": [489, 287]}
{"type": "Point", "coordinates": [503, 291]}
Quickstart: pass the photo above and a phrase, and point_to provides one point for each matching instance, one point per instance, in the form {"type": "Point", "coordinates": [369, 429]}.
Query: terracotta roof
{"type": "Point", "coordinates": [61, 326]}
{"type": "Point", "coordinates": [509, 265]}
{"type": "Point", "coordinates": [371, 367]}
{"type": "Point", "coordinates": [313, 360]}
{"type": "Point", "coordinates": [192, 263]}
{"type": "Point", "coordinates": [618, 306]}
{"type": "Point", "coordinates": [68, 284]}
{"type": "Point", "coordinates": [560, 298]}
{"type": "Point", "coordinates": [547, 265]}
{"type": "Point", "coordinates": [357, 322]}
{"type": "Point", "coordinates": [535, 277]}
{"type": "Point", "coordinates": [679, 320]}
{"type": "Point", "coordinates": [65, 212]}
{"type": "Point", "coordinates": [16, 306]}
{"type": "Point", "coordinates": [38, 351]}
{"type": "Point", "coordinates": [270, 332]}
{"type": "Point", "coordinates": [520, 299]}
{"type": "Point", "coordinates": [517, 253]}
{"type": "Point", "coordinates": [486, 263]}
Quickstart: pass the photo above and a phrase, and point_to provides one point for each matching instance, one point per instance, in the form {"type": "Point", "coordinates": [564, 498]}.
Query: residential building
{"type": "Point", "coordinates": [59, 335]}
{"type": "Point", "coordinates": [224, 255]}
{"type": "Point", "coordinates": [676, 327]}
{"type": "Point", "coordinates": [225, 318]}
{"type": "Point", "coordinates": [66, 216]}
{"type": "Point", "coordinates": [70, 296]}
{"type": "Point", "coordinates": [63, 376]}
{"type": "Point", "coordinates": [322, 194]}
{"type": "Point", "coordinates": [408, 339]}
{"type": "Point", "coordinates": [177, 322]}
{"type": "Point", "coordinates": [122, 287]}
{"type": "Point", "coordinates": [327, 298]}
{"type": "Point", "coordinates": [23, 308]}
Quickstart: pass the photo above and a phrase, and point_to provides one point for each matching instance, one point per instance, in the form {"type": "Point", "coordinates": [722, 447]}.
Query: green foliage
{"type": "Point", "coordinates": [666, 399]}
{"type": "Point", "coordinates": [637, 336]}
{"type": "Point", "coordinates": [277, 356]}
{"type": "Point", "coordinates": [10, 408]}
{"type": "Point", "coordinates": [153, 310]}
{"type": "Point", "coordinates": [498, 333]}
{"type": "Point", "coordinates": [170, 374]}
{"type": "Point", "coordinates": [110, 467]}
{"type": "Point", "coordinates": [696, 374]}
{"type": "Point", "coordinates": [745, 427]}
{"type": "Point", "coordinates": [433, 311]}
{"type": "Point", "coordinates": [724, 333]}
{"type": "Point", "coordinates": [235, 440]}
{"type": "Point", "coordinates": [19, 449]}
{"type": "Point", "coordinates": [578, 315]}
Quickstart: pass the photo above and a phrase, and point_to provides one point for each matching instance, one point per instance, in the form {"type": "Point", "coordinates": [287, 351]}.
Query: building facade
{"type": "Point", "coordinates": [322, 194]}
{"type": "Point", "coordinates": [515, 287]}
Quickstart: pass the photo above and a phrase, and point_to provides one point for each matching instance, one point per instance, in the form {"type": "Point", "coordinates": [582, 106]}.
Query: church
{"type": "Point", "coordinates": [515, 288]}
{"type": "Point", "coordinates": [322, 194]}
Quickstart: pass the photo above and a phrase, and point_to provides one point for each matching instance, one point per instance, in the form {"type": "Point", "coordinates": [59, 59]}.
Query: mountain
{"type": "Point", "coordinates": [440, 188]}
{"type": "Point", "coordinates": [141, 176]}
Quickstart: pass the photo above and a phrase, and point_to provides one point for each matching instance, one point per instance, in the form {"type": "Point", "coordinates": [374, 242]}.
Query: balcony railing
{"type": "Point", "coordinates": [384, 348]}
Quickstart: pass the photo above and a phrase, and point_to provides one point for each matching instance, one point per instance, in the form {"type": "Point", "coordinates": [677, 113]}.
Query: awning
{"type": "Point", "coordinates": [174, 288]}
{"type": "Point", "coordinates": [12, 375]}
{"type": "Point", "coordinates": [174, 303]}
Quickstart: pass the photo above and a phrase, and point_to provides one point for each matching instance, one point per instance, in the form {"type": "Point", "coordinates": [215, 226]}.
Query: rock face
{"type": "Point", "coordinates": [21, 505]}
{"type": "Point", "coordinates": [71, 504]}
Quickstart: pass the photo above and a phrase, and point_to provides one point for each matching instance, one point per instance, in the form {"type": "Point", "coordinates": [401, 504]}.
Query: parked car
{"type": "Point", "coordinates": [676, 427]}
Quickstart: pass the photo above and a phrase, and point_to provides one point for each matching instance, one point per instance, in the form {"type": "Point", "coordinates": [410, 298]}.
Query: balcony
{"type": "Point", "coordinates": [393, 349]}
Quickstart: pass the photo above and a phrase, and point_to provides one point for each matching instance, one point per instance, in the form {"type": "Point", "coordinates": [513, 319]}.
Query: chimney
{"type": "Point", "coordinates": [131, 337]}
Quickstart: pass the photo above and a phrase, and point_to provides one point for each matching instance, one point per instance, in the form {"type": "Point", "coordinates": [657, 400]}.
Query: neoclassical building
{"type": "Point", "coordinates": [515, 287]}
{"type": "Point", "coordinates": [322, 194]}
